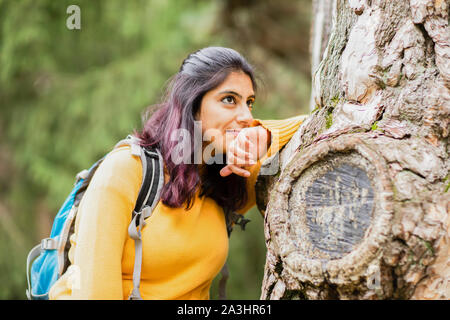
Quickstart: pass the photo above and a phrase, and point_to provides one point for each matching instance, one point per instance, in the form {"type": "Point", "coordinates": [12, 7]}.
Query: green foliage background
{"type": "Point", "coordinates": [66, 97]}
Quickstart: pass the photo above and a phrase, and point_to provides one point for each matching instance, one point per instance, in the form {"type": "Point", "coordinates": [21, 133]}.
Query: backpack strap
{"type": "Point", "coordinates": [149, 194]}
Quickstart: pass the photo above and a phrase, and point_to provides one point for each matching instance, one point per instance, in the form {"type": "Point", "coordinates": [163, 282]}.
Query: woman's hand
{"type": "Point", "coordinates": [245, 150]}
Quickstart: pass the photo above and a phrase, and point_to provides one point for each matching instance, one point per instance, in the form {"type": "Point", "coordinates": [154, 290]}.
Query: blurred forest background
{"type": "Point", "coordinates": [67, 96]}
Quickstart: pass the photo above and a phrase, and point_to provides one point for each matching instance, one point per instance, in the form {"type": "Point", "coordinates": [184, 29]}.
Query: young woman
{"type": "Point", "coordinates": [185, 241]}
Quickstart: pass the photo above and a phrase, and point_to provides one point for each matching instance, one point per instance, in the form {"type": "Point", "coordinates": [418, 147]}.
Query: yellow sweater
{"type": "Point", "coordinates": [183, 250]}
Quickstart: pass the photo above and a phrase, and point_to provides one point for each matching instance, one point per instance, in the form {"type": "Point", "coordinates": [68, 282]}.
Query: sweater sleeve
{"type": "Point", "coordinates": [101, 230]}
{"type": "Point", "coordinates": [281, 132]}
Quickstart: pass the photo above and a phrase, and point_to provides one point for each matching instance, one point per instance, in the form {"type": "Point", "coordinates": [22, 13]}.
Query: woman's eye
{"type": "Point", "coordinates": [228, 99]}
{"type": "Point", "coordinates": [250, 103]}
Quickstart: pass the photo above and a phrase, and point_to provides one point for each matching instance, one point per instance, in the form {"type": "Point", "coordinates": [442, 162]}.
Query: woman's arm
{"type": "Point", "coordinates": [101, 229]}
{"type": "Point", "coordinates": [280, 132]}
{"type": "Point", "coordinates": [262, 140]}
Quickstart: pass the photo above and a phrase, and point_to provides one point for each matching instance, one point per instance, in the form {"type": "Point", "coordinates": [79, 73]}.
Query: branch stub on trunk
{"type": "Point", "coordinates": [331, 210]}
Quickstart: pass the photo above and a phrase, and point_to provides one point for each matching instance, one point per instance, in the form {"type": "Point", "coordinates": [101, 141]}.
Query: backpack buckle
{"type": "Point", "coordinates": [135, 149]}
{"type": "Point", "coordinates": [49, 244]}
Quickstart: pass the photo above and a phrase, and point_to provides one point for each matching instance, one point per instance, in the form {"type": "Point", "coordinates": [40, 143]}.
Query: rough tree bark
{"type": "Point", "coordinates": [359, 208]}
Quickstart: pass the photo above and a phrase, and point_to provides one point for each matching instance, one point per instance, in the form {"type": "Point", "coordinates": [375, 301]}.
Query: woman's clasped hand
{"type": "Point", "coordinates": [246, 147]}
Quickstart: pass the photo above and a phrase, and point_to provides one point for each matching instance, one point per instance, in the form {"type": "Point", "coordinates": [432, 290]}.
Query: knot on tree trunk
{"type": "Point", "coordinates": [335, 227]}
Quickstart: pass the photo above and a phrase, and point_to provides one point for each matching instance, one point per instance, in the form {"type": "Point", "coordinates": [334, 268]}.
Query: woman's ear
{"type": "Point", "coordinates": [197, 115]}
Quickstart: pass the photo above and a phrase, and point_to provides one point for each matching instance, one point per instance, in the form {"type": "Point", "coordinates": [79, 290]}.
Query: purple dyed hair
{"type": "Point", "coordinates": [199, 73]}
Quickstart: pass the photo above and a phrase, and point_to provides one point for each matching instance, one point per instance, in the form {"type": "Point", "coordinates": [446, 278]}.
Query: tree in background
{"type": "Point", "coordinates": [360, 209]}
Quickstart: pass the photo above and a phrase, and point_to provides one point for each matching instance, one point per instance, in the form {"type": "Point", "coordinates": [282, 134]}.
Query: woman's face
{"type": "Point", "coordinates": [226, 108]}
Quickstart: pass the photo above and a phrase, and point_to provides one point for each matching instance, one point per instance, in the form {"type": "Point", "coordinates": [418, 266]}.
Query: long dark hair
{"type": "Point", "coordinates": [199, 73]}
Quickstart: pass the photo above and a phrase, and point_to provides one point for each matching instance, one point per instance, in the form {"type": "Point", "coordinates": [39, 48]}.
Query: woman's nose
{"type": "Point", "coordinates": [245, 116]}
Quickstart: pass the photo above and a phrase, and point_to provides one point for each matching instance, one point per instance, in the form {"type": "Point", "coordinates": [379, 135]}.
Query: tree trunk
{"type": "Point", "coordinates": [359, 208]}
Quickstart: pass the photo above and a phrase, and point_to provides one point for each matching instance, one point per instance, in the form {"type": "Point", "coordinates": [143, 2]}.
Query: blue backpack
{"type": "Point", "coordinates": [49, 259]}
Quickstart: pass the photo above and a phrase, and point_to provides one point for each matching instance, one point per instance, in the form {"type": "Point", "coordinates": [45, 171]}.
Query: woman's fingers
{"type": "Point", "coordinates": [231, 168]}
{"type": "Point", "coordinates": [225, 171]}
{"type": "Point", "coordinates": [242, 151]}
{"type": "Point", "coordinates": [240, 159]}
{"type": "Point", "coordinates": [259, 137]}
{"type": "Point", "coordinates": [239, 171]}
{"type": "Point", "coordinates": [243, 141]}
{"type": "Point", "coordinates": [249, 153]}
